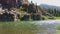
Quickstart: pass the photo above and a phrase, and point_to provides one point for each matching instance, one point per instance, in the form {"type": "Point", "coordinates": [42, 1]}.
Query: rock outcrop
{"type": "Point", "coordinates": [12, 3]}
{"type": "Point", "coordinates": [30, 10]}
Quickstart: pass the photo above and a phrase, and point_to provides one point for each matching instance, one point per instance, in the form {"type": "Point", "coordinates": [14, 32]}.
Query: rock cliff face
{"type": "Point", "coordinates": [29, 11]}
{"type": "Point", "coordinates": [12, 3]}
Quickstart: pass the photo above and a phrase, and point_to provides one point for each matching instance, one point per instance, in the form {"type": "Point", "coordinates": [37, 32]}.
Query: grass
{"type": "Point", "coordinates": [56, 18]}
{"type": "Point", "coordinates": [57, 31]}
{"type": "Point", "coordinates": [46, 17]}
{"type": "Point", "coordinates": [19, 27]}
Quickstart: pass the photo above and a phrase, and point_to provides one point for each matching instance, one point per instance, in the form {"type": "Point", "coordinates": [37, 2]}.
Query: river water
{"type": "Point", "coordinates": [37, 27]}
{"type": "Point", "coordinates": [49, 24]}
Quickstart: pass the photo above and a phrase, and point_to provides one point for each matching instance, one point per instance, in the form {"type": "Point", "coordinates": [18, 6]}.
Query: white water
{"type": "Point", "coordinates": [49, 24]}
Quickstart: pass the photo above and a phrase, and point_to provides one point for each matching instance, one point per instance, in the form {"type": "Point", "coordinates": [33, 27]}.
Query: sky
{"type": "Point", "coordinates": [49, 2]}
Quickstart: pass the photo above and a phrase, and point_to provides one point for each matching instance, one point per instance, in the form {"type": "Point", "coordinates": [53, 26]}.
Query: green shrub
{"type": "Point", "coordinates": [22, 8]}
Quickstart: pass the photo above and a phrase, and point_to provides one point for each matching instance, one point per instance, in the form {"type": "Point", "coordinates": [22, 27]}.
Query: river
{"type": "Point", "coordinates": [49, 24]}
{"type": "Point", "coordinates": [27, 27]}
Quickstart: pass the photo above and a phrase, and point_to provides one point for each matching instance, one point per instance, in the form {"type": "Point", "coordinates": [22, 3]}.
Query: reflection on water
{"type": "Point", "coordinates": [35, 27]}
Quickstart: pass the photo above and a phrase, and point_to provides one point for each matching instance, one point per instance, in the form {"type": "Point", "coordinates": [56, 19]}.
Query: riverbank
{"type": "Point", "coordinates": [19, 27]}
{"type": "Point", "coordinates": [57, 31]}
{"type": "Point", "coordinates": [29, 27]}
{"type": "Point", "coordinates": [57, 18]}
{"type": "Point", "coordinates": [53, 17]}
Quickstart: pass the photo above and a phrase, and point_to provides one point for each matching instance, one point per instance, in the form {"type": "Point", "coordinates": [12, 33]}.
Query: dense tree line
{"type": "Point", "coordinates": [54, 12]}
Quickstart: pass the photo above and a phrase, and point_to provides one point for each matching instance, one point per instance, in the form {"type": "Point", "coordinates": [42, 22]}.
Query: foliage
{"type": "Point", "coordinates": [57, 18]}
{"type": "Point", "coordinates": [47, 17]}
{"type": "Point", "coordinates": [58, 27]}
{"type": "Point", "coordinates": [28, 8]}
{"type": "Point", "coordinates": [54, 12]}
{"type": "Point", "coordinates": [58, 30]}
{"type": "Point", "coordinates": [21, 8]}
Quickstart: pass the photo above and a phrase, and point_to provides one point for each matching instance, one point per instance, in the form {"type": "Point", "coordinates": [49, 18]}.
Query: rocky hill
{"type": "Point", "coordinates": [12, 3]}
{"type": "Point", "coordinates": [20, 9]}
